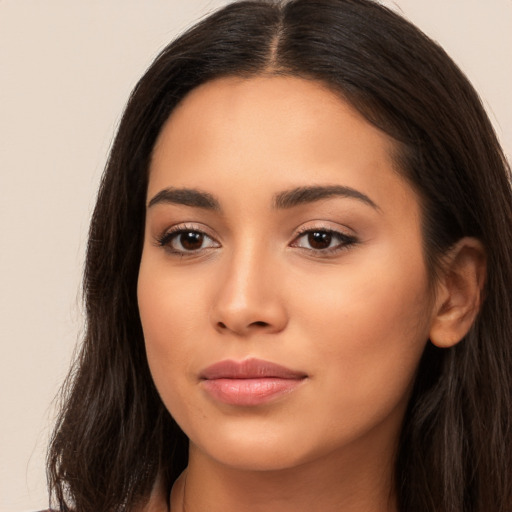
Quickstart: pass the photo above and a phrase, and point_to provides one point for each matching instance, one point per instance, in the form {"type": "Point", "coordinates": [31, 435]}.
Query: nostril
{"type": "Point", "coordinates": [222, 326]}
{"type": "Point", "coordinates": [260, 324]}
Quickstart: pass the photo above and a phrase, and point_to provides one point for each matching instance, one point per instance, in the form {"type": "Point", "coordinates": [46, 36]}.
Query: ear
{"type": "Point", "coordinates": [459, 292]}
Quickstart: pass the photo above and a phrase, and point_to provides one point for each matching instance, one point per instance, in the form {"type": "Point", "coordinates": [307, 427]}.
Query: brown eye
{"type": "Point", "coordinates": [319, 239]}
{"type": "Point", "coordinates": [183, 241]}
{"type": "Point", "coordinates": [191, 240]}
{"type": "Point", "coordinates": [323, 241]}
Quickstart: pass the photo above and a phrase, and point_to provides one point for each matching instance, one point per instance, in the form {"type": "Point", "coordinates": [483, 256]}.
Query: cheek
{"type": "Point", "coordinates": [367, 328]}
{"type": "Point", "coordinates": [170, 302]}
{"type": "Point", "coordinates": [169, 311]}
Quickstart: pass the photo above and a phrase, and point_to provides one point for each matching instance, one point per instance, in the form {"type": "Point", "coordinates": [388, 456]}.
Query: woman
{"type": "Point", "coordinates": [298, 279]}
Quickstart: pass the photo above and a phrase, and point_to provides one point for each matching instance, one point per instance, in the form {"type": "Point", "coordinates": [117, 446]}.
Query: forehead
{"type": "Point", "coordinates": [273, 133]}
{"type": "Point", "coordinates": [273, 110]}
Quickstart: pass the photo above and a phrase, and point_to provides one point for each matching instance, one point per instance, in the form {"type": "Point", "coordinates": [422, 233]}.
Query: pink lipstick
{"type": "Point", "coordinates": [250, 382]}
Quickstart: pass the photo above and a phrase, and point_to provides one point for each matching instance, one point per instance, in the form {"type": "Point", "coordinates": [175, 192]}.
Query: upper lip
{"type": "Point", "coordinates": [249, 369]}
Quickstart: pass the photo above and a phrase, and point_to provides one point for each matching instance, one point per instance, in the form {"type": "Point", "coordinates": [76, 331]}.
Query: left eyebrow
{"type": "Point", "coordinates": [304, 195]}
{"type": "Point", "coordinates": [187, 197]}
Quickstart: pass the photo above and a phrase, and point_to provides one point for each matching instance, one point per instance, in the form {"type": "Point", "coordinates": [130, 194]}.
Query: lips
{"type": "Point", "coordinates": [250, 382]}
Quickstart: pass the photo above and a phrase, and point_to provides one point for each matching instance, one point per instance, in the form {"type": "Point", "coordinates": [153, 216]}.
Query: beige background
{"type": "Point", "coordinates": [66, 69]}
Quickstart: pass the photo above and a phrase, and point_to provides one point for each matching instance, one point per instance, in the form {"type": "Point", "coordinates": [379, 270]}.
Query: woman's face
{"type": "Point", "coordinates": [279, 232]}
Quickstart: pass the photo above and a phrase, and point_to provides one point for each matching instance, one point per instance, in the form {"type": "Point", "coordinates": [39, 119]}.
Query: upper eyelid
{"type": "Point", "coordinates": [342, 234]}
{"type": "Point", "coordinates": [188, 226]}
{"type": "Point", "coordinates": [324, 225]}
{"type": "Point", "coordinates": [304, 228]}
{"type": "Point", "coordinates": [182, 227]}
{"type": "Point", "coordinates": [308, 229]}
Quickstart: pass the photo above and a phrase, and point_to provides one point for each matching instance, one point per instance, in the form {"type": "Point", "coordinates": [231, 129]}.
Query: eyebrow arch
{"type": "Point", "coordinates": [305, 195]}
{"type": "Point", "coordinates": [187, 197]}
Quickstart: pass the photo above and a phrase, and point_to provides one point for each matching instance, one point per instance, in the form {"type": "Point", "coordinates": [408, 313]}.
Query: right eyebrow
{"type": "Point", "coordinates": [305, 195]}
{"type": "Point", "coordinates": [187, 197]}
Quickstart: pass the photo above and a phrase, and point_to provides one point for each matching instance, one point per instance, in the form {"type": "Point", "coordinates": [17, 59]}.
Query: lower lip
{"type": "Point", "coordinates": [249, 392]}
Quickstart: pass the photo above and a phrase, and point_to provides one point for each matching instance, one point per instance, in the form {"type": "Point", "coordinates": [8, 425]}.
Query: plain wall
{"type": "Point", "coordinates": [66, 69]}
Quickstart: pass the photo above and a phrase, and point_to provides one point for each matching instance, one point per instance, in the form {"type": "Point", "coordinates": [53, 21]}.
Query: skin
{"type": "Point", "coordinates": [354, 319]}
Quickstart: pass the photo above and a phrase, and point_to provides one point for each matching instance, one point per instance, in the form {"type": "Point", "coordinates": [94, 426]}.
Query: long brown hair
{"type": "Point", "coordinates": [114, 435]}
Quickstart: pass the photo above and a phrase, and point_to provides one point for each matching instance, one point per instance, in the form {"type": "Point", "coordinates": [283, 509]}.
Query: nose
{"type": "Point", "coordinates": [248, 298]}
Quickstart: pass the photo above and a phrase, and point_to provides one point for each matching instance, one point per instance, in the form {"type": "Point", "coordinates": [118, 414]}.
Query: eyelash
{"type": "Point", "coordinates": [345, 241]}
{"type": "Point", "coordinates": [165, 240]}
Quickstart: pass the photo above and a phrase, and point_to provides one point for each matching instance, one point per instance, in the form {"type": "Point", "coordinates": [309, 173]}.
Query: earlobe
{"type": "Point", "coordinates": [459, 292]}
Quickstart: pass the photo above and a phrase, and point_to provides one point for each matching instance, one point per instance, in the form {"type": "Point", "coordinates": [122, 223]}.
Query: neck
{"type": "Point", "coordinates": [333, 483]}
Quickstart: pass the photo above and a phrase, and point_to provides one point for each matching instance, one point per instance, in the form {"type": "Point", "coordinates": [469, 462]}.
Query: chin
{"type": "Point", "coordinates": [259, 445]}
{"type": "Point", "coordinates": [251, 456]}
